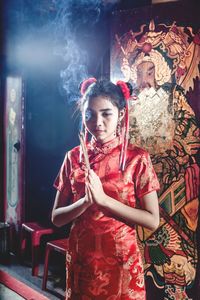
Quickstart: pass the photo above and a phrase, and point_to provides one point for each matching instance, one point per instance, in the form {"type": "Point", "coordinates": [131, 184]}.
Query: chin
{"type": "Point", "coordinates": [101, 140]}
{"type": "Point", "coordinates": [99, 137]}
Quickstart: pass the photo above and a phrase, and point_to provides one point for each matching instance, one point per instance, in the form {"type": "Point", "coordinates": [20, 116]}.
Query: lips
{"type": "Point", "coordinates": [99, 131]}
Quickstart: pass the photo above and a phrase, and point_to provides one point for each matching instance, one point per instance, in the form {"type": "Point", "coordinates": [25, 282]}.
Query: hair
{"type": "Point", "coordinates": [118, 94]}
{"type": "Point", "coordinates": [105, 88]}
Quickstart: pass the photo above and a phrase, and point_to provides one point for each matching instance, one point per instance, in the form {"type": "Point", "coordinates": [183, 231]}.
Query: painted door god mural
{"type": "Point", "coordinates": [162, 63]}
{"type": "Point", "coordinates": [14, 151]}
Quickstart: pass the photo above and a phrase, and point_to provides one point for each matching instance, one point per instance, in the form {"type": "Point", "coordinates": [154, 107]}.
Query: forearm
{"type": "Point", "coordinates": [131, 215]}
{"type": "Point", "coordinates": [147, 216]}
{"type": "Point", "coordinates": [64, 215]}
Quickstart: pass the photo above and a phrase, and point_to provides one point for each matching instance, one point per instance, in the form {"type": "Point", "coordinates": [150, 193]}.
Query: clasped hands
{"type": "Point", "coordinates": [94, 192]}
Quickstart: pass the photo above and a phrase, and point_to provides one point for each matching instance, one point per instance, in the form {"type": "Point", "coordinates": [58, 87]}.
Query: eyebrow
{"type": "Point", "coordinates": [151, 68]}
{"type": "Point", "coordinates": [102, 110]}
{"type": "Point", "coordinates": [106, 109]}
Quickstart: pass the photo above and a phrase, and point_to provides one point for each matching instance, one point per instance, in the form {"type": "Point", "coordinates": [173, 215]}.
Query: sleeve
{"type": "Point", "coordinates": [146, 179]}
{"type": "Point", "coordinates": [62, 182]}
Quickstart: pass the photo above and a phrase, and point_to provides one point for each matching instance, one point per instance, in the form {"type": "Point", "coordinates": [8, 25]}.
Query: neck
{"type": "Point", "coordinates": [101, 143]}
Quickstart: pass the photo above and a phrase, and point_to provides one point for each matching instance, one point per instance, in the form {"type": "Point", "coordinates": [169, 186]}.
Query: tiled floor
{"type": "Point", "coordinates": [7, 294]}
{"type": "Point", "coordinates": [56, 276]}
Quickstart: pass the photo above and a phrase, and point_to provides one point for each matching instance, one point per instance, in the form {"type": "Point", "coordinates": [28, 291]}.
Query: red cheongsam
{"type": "Point", "coordinates": [103, 261]}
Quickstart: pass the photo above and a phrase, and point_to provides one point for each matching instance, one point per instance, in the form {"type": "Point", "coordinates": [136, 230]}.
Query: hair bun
{"type": "Point", "coordinates": [130, 88]}
{"type": "Point", "coordinates": [86, 83]}
{"type": "Point", "coordinates": [126, 88]}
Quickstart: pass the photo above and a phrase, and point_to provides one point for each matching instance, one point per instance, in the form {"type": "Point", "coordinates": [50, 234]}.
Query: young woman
{"type": "Point", "coordinates": [103, 261]}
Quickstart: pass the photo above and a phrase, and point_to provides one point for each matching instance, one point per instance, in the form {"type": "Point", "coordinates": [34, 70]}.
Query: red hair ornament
{"type": "Point", "coordinates": [86, 83]}
{"type": "Point", "coordinates": [124, 88]}
{"type": "Point", "coordinates": [127, 95]}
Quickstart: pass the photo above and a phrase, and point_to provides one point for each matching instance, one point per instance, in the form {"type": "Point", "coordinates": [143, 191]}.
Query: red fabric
{"type": "Point", "coordinates": [104, 261]}
{"type": "Point", "coordinates": [86, 83]}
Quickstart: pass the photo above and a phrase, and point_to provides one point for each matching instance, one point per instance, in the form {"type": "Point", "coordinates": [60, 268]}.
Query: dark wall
{"type": "Point", "coordinates": [50, 132]}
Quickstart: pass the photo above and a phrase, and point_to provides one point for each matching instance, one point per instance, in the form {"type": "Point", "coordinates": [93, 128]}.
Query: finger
{"type": "Point", "coordinates": [91, 180]}
{"type": "Point", "coordinates": [91, 171]}
{"type": "Point", "coordinates": [93, 174]}
{"type": "Point", "coordinates": [92, 189]}
{"type": "Point", "coordinates": [93, 177]}
{"type": "Point", "coordinates": [89, 192]}
{"type": "Point", "coordinates": [86, 177]}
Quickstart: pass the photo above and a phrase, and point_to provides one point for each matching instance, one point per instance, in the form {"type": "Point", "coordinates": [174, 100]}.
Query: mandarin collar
{"type": "Point", "coordinates": [98, 147]}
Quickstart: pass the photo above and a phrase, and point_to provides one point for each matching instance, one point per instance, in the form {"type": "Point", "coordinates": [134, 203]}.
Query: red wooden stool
{"type": "Point", "coordinates": [36, 231]}
{"type": "Point", "coordinates": [56, 245]}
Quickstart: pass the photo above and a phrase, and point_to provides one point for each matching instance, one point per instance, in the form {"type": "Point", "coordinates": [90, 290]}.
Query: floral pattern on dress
{"type": "Point", "coordinates": [104, 261]}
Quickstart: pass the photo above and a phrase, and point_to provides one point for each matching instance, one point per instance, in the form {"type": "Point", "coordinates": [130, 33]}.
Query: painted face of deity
{"type": "Point", "coordinates": [146, 75]}
{"type": "Point", "coordinates": [101, 117]}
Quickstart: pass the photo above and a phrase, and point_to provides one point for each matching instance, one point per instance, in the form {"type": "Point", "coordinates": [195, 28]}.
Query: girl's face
{"type": "Point", "coordinates": [101, 117]}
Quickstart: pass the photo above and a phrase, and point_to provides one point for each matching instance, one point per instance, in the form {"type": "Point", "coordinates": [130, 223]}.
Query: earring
{"type": "Point", "coordinates": [118, 129]}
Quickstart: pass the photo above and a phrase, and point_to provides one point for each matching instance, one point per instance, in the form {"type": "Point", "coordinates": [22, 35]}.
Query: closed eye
{"type": "Point", "coordinates": [91, 115]}
{"type": "Point", "coordinates": [151, 70]}
{"type": "Point", "coordinates": [106, 114]}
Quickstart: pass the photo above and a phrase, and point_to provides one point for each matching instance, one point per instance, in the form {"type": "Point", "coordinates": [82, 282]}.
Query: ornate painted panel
{"type": "Point", "coordinates": [161, 61]}
{"type": "Point", "coordinates": [14, 151]}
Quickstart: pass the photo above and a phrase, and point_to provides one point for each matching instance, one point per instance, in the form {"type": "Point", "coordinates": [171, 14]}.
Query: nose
{"type": "Point", "coordinates": [144, 83]}
{"type": "Point", "coordinates": [98, 121]}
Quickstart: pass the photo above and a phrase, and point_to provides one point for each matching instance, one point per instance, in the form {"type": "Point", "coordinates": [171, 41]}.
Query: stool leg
{"type": "Point", "coordinates": [22, 244]}
{"type": "Point", "coordinates": [35, 260]}
{"type": "Point", "coordinates": [46, 267]}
